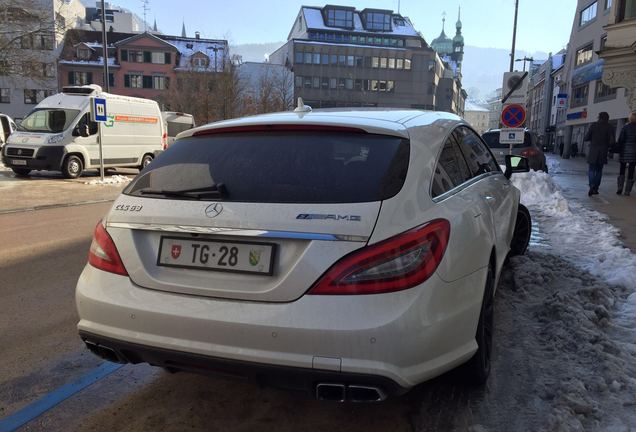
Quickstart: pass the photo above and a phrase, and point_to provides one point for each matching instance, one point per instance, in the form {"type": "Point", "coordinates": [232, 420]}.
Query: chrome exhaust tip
{"type": "Point", "coordinates": [358, 393]}
{"type": "Point", "coordinates": [331, 392]}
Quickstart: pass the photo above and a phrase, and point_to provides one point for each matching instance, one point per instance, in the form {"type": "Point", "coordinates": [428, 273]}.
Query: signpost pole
{"type": "Point", "coordinates": [101, 151]}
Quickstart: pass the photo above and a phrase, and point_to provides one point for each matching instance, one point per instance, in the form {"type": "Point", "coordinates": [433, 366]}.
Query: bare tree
{"type": "Point", "coordinates": [284, 90]}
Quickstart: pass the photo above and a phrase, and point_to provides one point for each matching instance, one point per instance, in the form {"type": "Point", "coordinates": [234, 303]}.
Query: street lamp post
{"type": "Point", "coordinates": [105, 47]}
{"type": "Point", "coordinates": [514, 37]}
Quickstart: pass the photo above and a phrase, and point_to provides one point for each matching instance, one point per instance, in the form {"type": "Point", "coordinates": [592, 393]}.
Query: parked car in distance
{"type": "Point", "coordinates": [175, 123]}
{"type": "Point", "coordinates": [59, 135]}
{"type": "Point", "coordinates": [350, 254]}
{"type": "Point", "coordinates": [7, 127]}
{"type": "Point", "coordinates": [530, 149]}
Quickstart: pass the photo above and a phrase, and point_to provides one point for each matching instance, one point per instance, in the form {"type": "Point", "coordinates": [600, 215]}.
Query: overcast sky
{"type": "Point", "coordinates": [544, 25]}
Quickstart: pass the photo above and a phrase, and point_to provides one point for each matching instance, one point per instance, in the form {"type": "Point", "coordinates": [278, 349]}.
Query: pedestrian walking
{"type": "Point", "coordinates": [627, 151]}
{"type": "Point", "coordinates": [575, 149]}
{"type": "Point", "coordinates": [601, 137]}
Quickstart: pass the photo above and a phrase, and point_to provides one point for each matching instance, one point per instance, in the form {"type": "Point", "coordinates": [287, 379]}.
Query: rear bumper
{"type": "Point", "coordinates": [404, 338]}
{"type": "Point", "coordinates": [289, 378]}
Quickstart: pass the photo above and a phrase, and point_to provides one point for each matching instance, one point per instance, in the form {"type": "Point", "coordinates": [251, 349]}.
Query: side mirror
{"type": "Point", "coordinates": [81, 130]}
{"type": "Point", "coordinates": [516, 164]}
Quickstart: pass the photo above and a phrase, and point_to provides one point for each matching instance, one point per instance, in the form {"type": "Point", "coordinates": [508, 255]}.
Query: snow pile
{"type": "Point", "coordinates": [585, 238]}
{"type": "Point", "coordinates": [553, 164]}
{"type": "Point", "coordinates": [116, 179]}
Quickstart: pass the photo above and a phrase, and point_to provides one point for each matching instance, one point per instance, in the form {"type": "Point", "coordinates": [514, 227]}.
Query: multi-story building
{"type": "Point", "coordinates": [588, 95]}
{"type": "Point", "coordinates": [27, 68]}
{"type": "Point", "coordinates": [619, 49]}
{"type": "Point", "coordinates": [341, 56]}
{"type": "Point", "coordinates": [478, 117]}
{"type": "Point", "coordinates": [141, 65]}
{"type": "Point", "coordinates": [494, 108]}
{"type": "Point", "coordinates": [117, 19]}
{"type": "Point", "coordinates": [558, 105]}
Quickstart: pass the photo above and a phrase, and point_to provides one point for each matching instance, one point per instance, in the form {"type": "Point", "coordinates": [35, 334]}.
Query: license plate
{"type": "Point", "coordinates": [18, 162]}
{"type": "Point", "coordinates": [215, 255]}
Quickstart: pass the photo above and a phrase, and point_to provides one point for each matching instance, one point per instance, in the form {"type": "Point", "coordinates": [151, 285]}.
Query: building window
{"type": "Point", "coordinates": [316, 58]}
{"type": "Point", "coordinates": [407, 64]}
{"type": "Point", "coordinates": [307, 59]}
{"type": "Point", "coordinates": [391, 63]}
{"type": "Point", "coordinates": [383, 61]}
{"type": "Point", "coordinates": [378, 21]}
{"type": "Point", "coordinates": [349, 84]}
{"type": "Point", "coordinates": [627, 10]}
{"type": "Point", "coordinates": [298, 57]}
{"type": "Point", "coordinates": [299, 81]}
{"type": "Point", "coordinates": [133, 81]}
{"type": "Point", "coordinates": [135, 56]}
{"type": "Point", "coordinates": [316, 82]}
{"type": "Point", "coordinates": [307, 83]}
{"type": "Point", "coordinates": [159, 82]}
{"type": "Point", "coordinates": [5, 95]}
{"type": "Point", "coordinates": [359, 61]}
{"type": "Point", "coordinates": [588, 14]}
{"type": "Point", "coordinates": [584, 55]}
{"type": "Point", "coordinates": [340, 18]}
{"type": "Point", "coordinates": [375, 62]}
{"type": "Point", "coordinates": [608, 4]}
{"type": "Point", "coordinates": [333, 59]}
{"type": "Point", "coordinates": [399, 63]}
{"type": "Point", "coordinates": [357, 85]}
{"type": "Point", "coordinates": [350, 61]}
{"type": "Point", "coordinates": [603, 91]}
{"type": "Point", "coordinates": [83, 53]}
{"type": "Point", "coordinates": [342, 60]}
{"type": "Point", "coordinates": [158, 57]}
{"type": "Point", "coordinates": [199, 62]}
{"type": "Point", "coordinates": [80, 78]}
{"type": "Point", "coordinates": [333, 83]}
{"type": "Point", "coordinates": [32, 97]}
{"type": "Point", "coordinates": [325, 59]}
{"type": "Point", "coordinates": [580, 95]}
{"type": "Point", "coordinates": [374, 85]}
{"type": "Point", "coordinates": [111, 80]}
{"type": "Point", "coordinates": [324, 83]}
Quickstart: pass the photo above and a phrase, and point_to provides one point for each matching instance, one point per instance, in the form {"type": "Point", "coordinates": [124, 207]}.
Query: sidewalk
{"type": "Point", "coordinates": [571, 176]}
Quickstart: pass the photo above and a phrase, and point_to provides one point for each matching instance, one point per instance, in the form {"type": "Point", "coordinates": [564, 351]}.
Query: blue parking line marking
{"type": "Point", "coordinates": [51, 399]}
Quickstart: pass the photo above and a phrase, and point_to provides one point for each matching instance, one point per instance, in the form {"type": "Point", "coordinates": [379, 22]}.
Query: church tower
{"type": "Point", "coordinates": [458, 41]}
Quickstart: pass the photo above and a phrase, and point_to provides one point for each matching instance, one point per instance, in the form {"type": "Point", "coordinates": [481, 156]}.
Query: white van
{"type": "Point", "coordinates": [175, 123]}
{"type": "Point", "coordinates": [7, 127]}
{"type": "Point", "coordinates": [58, 134]}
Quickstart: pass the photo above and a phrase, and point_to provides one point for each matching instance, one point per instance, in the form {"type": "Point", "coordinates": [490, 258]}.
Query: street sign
{"type": "Point", "coordinates": [98, 110]}
{"type": "Point", "coordinates": [512, 136]}
{"type": "Point", "coordinates": [515, 86]}
{"type": "Point", "coordinates": [513, 115]}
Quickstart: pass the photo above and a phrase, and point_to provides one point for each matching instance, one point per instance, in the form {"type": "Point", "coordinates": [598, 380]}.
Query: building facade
{"type": "Point", "coordinates": [478, 117]}
{"type": "Point", "coordinates": [140, 65]}
{"type": "Point", "coordinates": [588, 95]}
{"type": "Point", "coordinates": [344, 57]}
{"type": "Point", "coordinates": [117, 19]}
{"type": "Point", "coordinates": [619, 49]}
{"type": "Point", "coordinates": [494, 108]}
{"type": "Point", "coordinates": [28, 72]}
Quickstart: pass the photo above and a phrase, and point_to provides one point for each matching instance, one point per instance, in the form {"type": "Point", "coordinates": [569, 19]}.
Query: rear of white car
{"type": "Point", "coordinates": [304, 252]}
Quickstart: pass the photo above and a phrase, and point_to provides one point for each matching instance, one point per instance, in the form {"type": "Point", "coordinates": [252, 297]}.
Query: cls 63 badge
{"type": "Point", "coordinates": [128, 207]}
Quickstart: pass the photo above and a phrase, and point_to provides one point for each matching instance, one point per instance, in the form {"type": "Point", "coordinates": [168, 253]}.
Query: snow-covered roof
{"type": "Point", "coordinates": [315, 21]}
{"type": "Point", "coordinates": [98, 62]}
{"type": "Point", "coordinates": [188, 47]}
{"type": "Point", "coordinates": [471, 106]}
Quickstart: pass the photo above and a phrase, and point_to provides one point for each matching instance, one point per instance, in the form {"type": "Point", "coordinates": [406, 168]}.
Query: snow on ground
{"type": "Point", "coordinates": [581, 287]}
{"type": "Point", "coordinates": [109, 180]}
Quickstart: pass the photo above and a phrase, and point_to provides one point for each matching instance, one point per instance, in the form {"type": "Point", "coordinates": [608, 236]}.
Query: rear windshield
{"type": "Point", "coordinates": [492, 140]}
{"type": "Point", "coordinates": [279, 167]}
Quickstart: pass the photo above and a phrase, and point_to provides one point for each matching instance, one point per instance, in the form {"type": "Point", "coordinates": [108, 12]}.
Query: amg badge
{"type": "Point", "coordinates": [336, 217]}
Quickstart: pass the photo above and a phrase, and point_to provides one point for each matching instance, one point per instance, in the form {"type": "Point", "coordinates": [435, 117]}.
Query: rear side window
{"type": "Point", "coordinates": [477, 155]}
{"type": "Point", "coordinates": [492, 141]}
{"type": "Point", "coordinates": [451, 169]}
{"type": "Point", "coordinates": [281, 167]}
{"type": "Point", "coordinates": [174, 128]}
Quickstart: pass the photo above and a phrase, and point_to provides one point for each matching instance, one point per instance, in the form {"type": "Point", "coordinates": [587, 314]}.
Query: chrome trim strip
{"type": "Point", "coordinates": [191, 229]}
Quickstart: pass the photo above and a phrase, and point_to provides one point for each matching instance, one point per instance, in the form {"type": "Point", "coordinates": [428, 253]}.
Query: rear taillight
{"type": "Point", "coordinates": [395, 264]}
{"type": "Point", "coordinates": [103, 253]}
{"type": "Point", "coordinates": [529, 152]}
{"type": "Point", "coordinates": [164, 140]}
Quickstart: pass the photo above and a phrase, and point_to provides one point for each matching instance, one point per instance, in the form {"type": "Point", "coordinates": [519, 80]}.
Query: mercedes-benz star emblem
{"type": "Point", "coordinates": [19, 152]}
{"type": "Point", "coordinates": [213, 210]}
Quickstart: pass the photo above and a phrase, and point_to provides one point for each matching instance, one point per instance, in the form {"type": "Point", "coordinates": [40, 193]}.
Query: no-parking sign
{"type": "Point", "coordinates": [513, 115]}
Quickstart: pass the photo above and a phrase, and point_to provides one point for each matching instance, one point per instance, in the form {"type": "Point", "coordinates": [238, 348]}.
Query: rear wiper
{"type": "Point", "coordinates": [213, 191]}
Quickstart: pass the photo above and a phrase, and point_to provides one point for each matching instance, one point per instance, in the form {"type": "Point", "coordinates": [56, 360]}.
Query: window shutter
{"type": "Point", "coordinates": [124, 55]}
{"type": "Point", "coordinates": [89, 75]}
{"type": "Point", "coordinates": [71, 78]}
{"type": "Point", "coordinates": [111, 80]}
{"type": "Point", "coordinates": [126, 80]}
{"type": "Point", "coordinates": [147, 57]}
{"type": "Point", "coordinates": [167, 82]}
{"type": "Point", "coordinates": [147, 81]}
{"type": "Point", "coordinates": [167, 58]}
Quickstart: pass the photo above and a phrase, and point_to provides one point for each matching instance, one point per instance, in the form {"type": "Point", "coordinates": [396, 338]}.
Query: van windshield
{"type": "Point", "coordinates": [48, 120]}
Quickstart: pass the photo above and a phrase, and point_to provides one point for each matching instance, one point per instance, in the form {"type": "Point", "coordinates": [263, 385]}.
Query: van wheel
{"type": "Point", "coordinates": [72, 167]}
{"type": "Point", "coordinates": [523, 230]}
{"type": "Point", "coordinates": [145, 161]}
{"type": "Point", "coordinates": [478, 367]}
{"type": "Point", "coordinates": [21, 172]}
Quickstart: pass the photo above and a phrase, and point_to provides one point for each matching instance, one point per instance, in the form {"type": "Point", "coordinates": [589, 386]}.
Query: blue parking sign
{"type": "Point", "coordinates": [99, 110]}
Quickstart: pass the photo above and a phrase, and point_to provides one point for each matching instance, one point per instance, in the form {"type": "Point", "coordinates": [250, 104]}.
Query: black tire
{"type": "Point", "coordinates": [145, 161]}
{"type": "Point", "coordinates": [478, 367]}
{"type": "Point", "coordinates": [522, 232]}
{"type": "Point", "coordinates": [72, 167]}
{"type": "Point", "coordinates": [21, 172]}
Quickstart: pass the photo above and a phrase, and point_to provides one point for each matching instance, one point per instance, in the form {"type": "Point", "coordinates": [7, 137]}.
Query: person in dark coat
{"type": "Point", "coordinates": [627, 152]}
{"type": "Point", "coordinates": [601, 137]}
